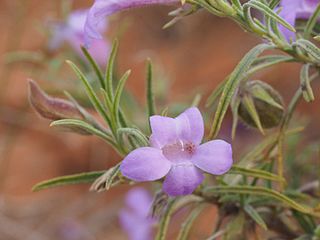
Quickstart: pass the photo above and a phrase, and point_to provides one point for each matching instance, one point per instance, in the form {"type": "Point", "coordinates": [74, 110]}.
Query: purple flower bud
{"type": "Point", "coordinates": [104, 8]}
{"type": "Point", "coordinates": [176, 154]}
{"type": "Point", "coordinates": [134, 218]}
{"type": "Point", "coordinates": [49, 107]}
{"type": "Point", "coordinates": [71, 32]}
{"type": "Point", "coordinates": [296, 9]}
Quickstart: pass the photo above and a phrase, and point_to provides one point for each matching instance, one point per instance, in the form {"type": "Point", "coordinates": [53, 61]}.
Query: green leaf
{"type": "Point", "coordinates": [79, 124]}
{"type": "Point", "coordinates": [237, 4]}
{"type": "Point", "coordinates": [305, 83]}
{"type": "Point", "coordinates": [235, 104]}
{"type": "Point", "coordinates": [110, 69]}
{"type": "Point", "coordinates": [255, 216]}
{"type": "Point", "coordinates": [196, 101]}
{"type": "Point", "coordinates": [216, 93]}
{"type": "Point", "coordinates": [106, 180]}
{"type": "Point", "coordinates": [274, 3]}
{"type": "Point", "coordinates": [165, 219]}
{"type": "Point", "coordinates": [267, 11]}
{"type": "Point", "coordinates": [257, 173]}
{"type": "Point", "coordinates": [261, 191]}
{"type": "Point", "coordinates": [231, 86]}
{"type": "Point", "coordinates": [304, 222]}
{"type": "Point", "coordinates": [311, 49]}
{"type": "Point", "coordinates": [118, 93]}
{"type": "Point", "coordinates": [150, 97]}
{"type": "Point", "coordinates": [263, 95]}
{"type": "Point", "coordinates": [67, 180]}
{"type": "Point", "coordinates": [248, 103]}
{"type": "Point", "coordinates": [267, 61]}
{"type": "Point", "coordinates": [311, 22]}
{"type": "Point", "coordinates": [268, 143]}
{"type": "Point", "coordinates": [90, 92]}
{"type": "Point", "coordinates": [94, 65]}
{"type": "Point", "coordinates": [235, 227]}
{"type": "Point", "coordinates": [208, 7]}
{"type": "Point", "coordinates": [143, 141]}
{"type": "Point", "coordinates": [187, 224]}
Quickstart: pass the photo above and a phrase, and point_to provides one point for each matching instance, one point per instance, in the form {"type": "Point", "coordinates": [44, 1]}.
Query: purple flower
{"type": "Point", "coordinates": [296, 9]}
{"type": "Point", "coordinates": [71, 32]}
{"type": "Point", "coordinates": [176, 153]}
{"type": "Point", "coordinates": [103, 8]}
{"type": "Point", "coordinates": [135, 219]}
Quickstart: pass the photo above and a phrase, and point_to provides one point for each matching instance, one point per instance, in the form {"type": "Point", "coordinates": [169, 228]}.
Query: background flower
{"type": "Point", "coordinates": [71, 32]}
{"type": "Point", "coordinates": [134, 218]}
{"type": "Point", "coordinates": [103, 8]}
{"type": "Point", "coordinates": [295, 9]}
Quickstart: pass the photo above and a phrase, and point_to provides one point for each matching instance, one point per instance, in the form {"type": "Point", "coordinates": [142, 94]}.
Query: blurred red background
{"type": "Point", "coordinates": [195, 55]}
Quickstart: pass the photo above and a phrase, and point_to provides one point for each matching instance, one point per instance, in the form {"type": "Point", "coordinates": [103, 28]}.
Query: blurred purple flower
{"type": "Point", "coordinates": [72, 33]}
{"type": "Point", "coordinates": [103, 8]}
{"type": "Point", "coordinates": [134, 218]}
{"type": "Point", "coordinates": [176, 153]}
{"type": "Point", "coordinates": [296, 9]}
{"type": "Point", "coordinates": [70, 229]}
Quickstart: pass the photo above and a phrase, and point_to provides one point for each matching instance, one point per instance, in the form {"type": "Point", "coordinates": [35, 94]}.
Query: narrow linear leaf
{"type": "Point", "coordinates": [257, 173]}
{"type": "Point", "coordinates": [94, 66]}
{"type": "Point", "coordinates": [196, 101]}
{"type": "Point", "coordinates": [266, 10]}
{"type": "Point", "coordinates": [231, 86]}
{"type": "Point", "coordinates": [263, 95]}
{"type": "Point", "coordinates": [150, 97]}
{"type": "Point", "coordinates": [110, 69]}
{"type": "Point", "coordinates": [311, 22]}
{"type": "Point", "coordinates": [216, 93]}
{"type": "Point", "coordinates": [235, 104]}
{"type": "Point", "coordinates": [261, 191]}
{"type": "Point", "coordinates": [249, 105]}
{"type": "Point", "coordinates": [269, 142]}
{"type": "Point", "coordinates": [79, 124]}
{"type": "Point", "coordinates": [105, 181]}
{"type": "Point", "coordinates": [267, 61]}
{"type": "Point", "coordinates": [305, 83]}
{"type": "Point", "coordinates": [309, 48]}
{"type": "Point", "coordinates": [216, 235]}
{"type": "Point", "coordinates": [259, 64]}
{"type": "Point", "coordinates": [255, 216]}
{"type": "Point", "coordinates": [165, 219]}
{"type": "Point", "coordinates": [187, 224]}
{"type": "Point", "coordinates": [304, 222]}
{"type": "Point", "coordinates": [136, 133]}
{"type": "Point", "coordinates": [90, 92]}
{"type": "Point", "coordinates": [235, 227]}
{"type": "Point", "coordinates": [118, 93]}
{"type": "Point", "coordinates": [274, 3]}
{"type": "Point", "coordinates": [237, 4]}
{"type": "Point", "coordinates": [67, 180]}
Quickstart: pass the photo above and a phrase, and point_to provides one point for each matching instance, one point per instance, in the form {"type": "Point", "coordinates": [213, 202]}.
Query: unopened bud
{"type": "Point", "coordinates": [51, 107]}
{"type": "Point", "coordinates": [267, 102]}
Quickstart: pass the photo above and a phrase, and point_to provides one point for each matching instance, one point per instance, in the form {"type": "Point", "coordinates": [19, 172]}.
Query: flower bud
{"type": "Point", "coordinates": [267, 102]}
{"type": "Point", "coordinates": [50, 107]}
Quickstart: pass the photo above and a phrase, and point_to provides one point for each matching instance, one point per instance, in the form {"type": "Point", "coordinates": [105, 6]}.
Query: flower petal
{"type": "Point", "coordinates": [145, 164]}
{"type": "Point", "coordinates": [182, 179]}
{"type": "Point", "coordinates": [104, 8]}
{"type": "Point", "coordinates": [190, 126]}
{"type": "Point", "coordinates": [290, 16]}
{"type": "Point", "coordinates": [164, 131]}
{"type": "Point", "coordinates": [187, 127]}
{"type": "Point", "coordinates": [137, 228]}
{"type": "Point", "coordinates": [139, 200]}
{"type": "Point", "coordinates": [214, 157]}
